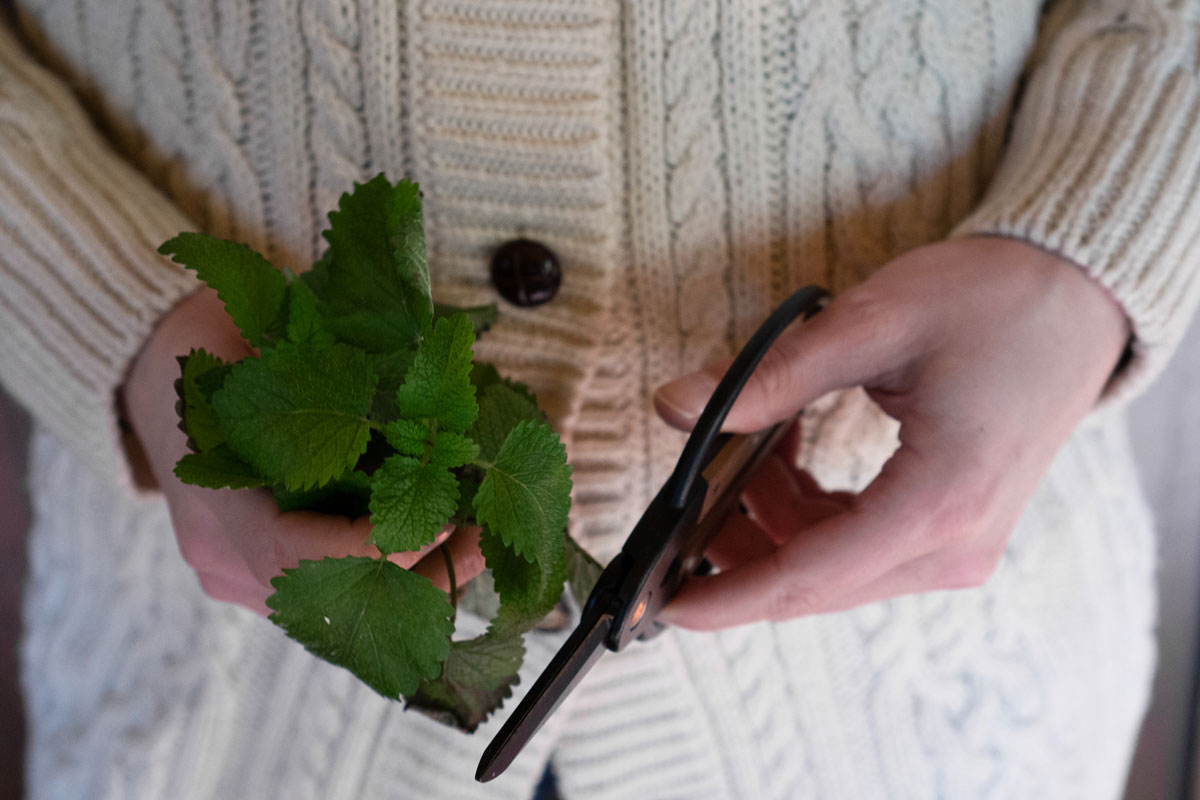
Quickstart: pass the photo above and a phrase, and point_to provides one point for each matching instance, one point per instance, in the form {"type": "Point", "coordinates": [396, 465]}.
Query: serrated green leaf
{"type": "Point", "coordinates": [525, 495]}
{"type": "Point", "coordinates": [391, 369]}
{"type": "Point", "coordinates": [452, 450]}
{"type": "Point", "coordinates": [410, 503]}
{"type": "Point", "coordinates": [482, 317]}
{"type": "Point", "coordinates": [196, 415]}
{"type": "Point", "coordinates": [304, 323]}
{"type": "Point", "coordinates": [438, 385]}
{"type": "Point", "coordinates": [210, 381]}
{"type": "Point", "coordinates": [298, 414]}
{"type": "Point", "coordinates": [501, 407]}
{"type": "Point", "coordinates": [348, 496]}
{"type": "Point", "coordinates": [373, 331]}
{"type": "Point", "coordinates": [477, 676]}
{"type": "Point", "coordinates": [389, 626]}
{"type": "Point", "coordinates": [408, 436]}
{"type": "Point", "coordinates": [372, 282]}
{"type": "Point", "coordinates": [484, 374]}
{"type": "Point", "coordinates": [528, 592]}
{"type": "Point", "coordinates": [317, 278]}
{"type": "Point", "coordinates": [253, 291]}
{"type": "Point", "coordinates": [218, 468]}
{"type": "Point", "coordinates": [582, 571]}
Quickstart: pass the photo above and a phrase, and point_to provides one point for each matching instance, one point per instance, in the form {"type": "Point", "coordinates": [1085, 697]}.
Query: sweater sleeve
{"type": "Point", "coordinates": [81, 285]}
{"type": "Point", "coordinates": [1103, 164]}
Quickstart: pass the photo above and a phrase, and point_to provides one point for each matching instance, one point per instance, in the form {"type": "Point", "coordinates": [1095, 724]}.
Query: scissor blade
{"type": "Point", "coordinates": [569, 665]}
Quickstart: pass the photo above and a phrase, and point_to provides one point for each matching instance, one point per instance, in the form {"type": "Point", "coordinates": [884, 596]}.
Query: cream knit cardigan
{"type": "Point", "coordinates": [691, 161]}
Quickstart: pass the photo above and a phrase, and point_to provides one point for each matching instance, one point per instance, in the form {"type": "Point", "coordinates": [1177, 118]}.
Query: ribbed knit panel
{"type": "Point", "coordinates": [514, 127]}
{"type": "Point", "coordinates": [1104, 166]}
{"type": "Point", "coordinates": [80, 283]}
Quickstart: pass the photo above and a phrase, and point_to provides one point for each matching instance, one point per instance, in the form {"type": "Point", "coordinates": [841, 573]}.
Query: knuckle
{"type": "Point", "coordinates": [265, 554]}
{"type": "Point", "coordinates": [770, 384]}
{"type": "Point", "coordinates": [943, 534]}
{"type": "Point", "coordinates": [790, 600]}
{"type": "Point", "coordinates": [215, 588]}
{"type": "Point", "coordinates": [274, 553]}
{"type": "Point", "coordinates": [776, 369]}
{"type": "Point", "coordinates": [469, 564]}
{"type": "Point", "coordinates": [195, 550]}
{"type": "Point", "coordinates": [951, 518]}
{"type": "Point", "coordinates": [874, 312]}
{"type": "Point", "coordinates": [189, 550]}
{"type": "Point", "coordinates": [192, 535]}
{"type": "Point", "coordinates": [968, 571]}
{"type": "Point", "coordinates": [779, 383]}
{"type": "Point", "coordinates": [868, 316]}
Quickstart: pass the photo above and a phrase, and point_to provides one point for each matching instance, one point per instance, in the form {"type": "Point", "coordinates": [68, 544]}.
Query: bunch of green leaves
{"type": "Point", "coordinates": [365, 398]}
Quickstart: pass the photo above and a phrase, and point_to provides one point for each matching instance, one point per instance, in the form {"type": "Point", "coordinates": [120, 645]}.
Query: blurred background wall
{"type": "Point", "coordinates": [14, 519]}
{"type": "Point", "coordinates": [1165, 424]}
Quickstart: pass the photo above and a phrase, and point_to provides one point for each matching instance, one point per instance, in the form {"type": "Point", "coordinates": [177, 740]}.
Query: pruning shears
{"type": "Point", "coordinates": [666, 546]}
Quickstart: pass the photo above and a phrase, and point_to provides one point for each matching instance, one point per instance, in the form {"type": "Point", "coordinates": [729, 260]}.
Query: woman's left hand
{"type": "Point", "coordinates": [988, 351]}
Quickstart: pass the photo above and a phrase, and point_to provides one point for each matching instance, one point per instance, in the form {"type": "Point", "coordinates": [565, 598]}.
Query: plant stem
{"type": "Point", "coordinates": [453, 583]}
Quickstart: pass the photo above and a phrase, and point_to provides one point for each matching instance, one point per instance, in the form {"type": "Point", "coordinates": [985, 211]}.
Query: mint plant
{"type": "Point", "coordinates": [365, 398]}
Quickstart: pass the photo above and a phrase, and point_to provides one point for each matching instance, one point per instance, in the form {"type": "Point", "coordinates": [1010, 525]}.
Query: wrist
{"type": "Point", "coordinates": [1093, 310]}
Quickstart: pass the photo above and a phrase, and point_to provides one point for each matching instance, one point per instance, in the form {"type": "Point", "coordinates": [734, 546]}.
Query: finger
{"type": "Point", "coordinates": [946, 570]}
{"type": "Point", "coordinates": [791, 444]}
{"type": "Point", "coordinates": [783, 500]}
{"type": "Point", "coordinates": [464, 552]}
{"type": "Point", "coordinates": [410, 558]}
{"type": "Point", "coordinates": [738, 541]}
{"type": "Point", "coordinates": [857, 340]}
{"type": "Point", "coordinates": [777, 586]}
{"type": "Point", "coordinates": [201, 537]}
{"type": "Point", "coordinates": [270, 541]}
{"type": "Point", "coordinates": [248, 594]}
{"type": "Point", "coordinates": [885, 527]}
{"type": "Point", "coordinates": [305, 535]}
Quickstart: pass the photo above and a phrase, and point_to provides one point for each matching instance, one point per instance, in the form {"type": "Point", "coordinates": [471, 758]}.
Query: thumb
{"type": "Point", "coordinates": [857, 340]}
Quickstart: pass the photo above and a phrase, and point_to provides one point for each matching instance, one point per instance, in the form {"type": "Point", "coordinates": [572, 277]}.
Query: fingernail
{"type": "Point", "coordinates": [686, 396]}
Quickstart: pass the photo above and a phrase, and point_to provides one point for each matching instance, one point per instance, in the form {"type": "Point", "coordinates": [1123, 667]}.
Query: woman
{"type": "Point", "coordinates": [688, 165]}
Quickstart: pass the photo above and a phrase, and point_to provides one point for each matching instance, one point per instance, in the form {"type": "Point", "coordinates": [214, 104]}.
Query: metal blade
{"type": "Point", "coordinates": [569, 665]}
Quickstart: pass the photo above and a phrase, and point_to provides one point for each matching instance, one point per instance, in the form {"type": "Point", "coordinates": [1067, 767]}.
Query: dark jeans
{"type": "Point", "coordinates": [547, 788]}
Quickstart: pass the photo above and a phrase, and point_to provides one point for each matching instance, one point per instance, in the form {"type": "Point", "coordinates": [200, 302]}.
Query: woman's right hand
{"type": "Point", "coordinates": [236, 541]}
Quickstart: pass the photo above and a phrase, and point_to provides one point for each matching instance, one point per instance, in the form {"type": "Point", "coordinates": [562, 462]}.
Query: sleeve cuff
{"type": "Point", "coordinates": [81, 283]}
{"type": "Point", "coordinates": [1103, 169]}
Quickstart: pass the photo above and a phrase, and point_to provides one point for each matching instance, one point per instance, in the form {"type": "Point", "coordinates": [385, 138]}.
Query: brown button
{"type": "Point", "coordinates": [526, 273]}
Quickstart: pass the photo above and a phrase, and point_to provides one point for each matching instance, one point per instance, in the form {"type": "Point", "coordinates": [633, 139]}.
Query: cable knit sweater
{"type": "Point", "coordinates": [691, 161]}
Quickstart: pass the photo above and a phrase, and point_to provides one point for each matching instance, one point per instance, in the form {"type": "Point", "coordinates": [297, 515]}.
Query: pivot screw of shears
{"type": "Point", "coordinates": [638, 612]}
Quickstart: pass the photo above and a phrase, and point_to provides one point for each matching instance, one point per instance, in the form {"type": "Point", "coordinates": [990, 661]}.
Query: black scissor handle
{"type": "Point", "coordinates": [700, 445]}
{"type": "Point", "coordinates": [669, 541]}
